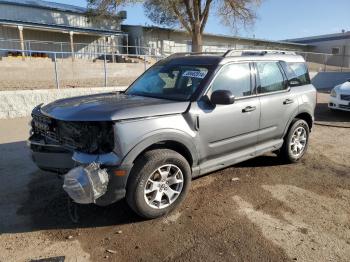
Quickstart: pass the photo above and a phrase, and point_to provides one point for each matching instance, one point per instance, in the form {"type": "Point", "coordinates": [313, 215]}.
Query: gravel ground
{"type": "Point", "coordinates": [259, 210]}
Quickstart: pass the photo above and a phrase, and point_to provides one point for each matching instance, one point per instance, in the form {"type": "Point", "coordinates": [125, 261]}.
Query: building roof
{"type": "Point", "coordinates": [55, 27]}
{"type": "Point", "coordinates": [46, 5]}
{"type": "Point", "coordinates": [320, 38]}
{"type": "Point", "coordinates": [221, 35]}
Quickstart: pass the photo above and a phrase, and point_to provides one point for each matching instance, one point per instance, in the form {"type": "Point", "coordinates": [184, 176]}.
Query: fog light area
{"type": "Point", "coordinates": [85, 184]}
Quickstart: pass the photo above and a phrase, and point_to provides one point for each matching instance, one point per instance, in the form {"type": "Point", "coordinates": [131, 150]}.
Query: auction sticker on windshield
{"type": "Point", "coordinates": [195, 74]}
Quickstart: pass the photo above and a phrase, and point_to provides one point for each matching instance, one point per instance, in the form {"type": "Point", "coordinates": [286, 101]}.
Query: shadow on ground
{"type": "Point", "coordinates": [31, 199]}
{"type": "Point", "coordinates": [324, 114]}
{"type": "Point", "coordinates": [262, 161]}
{"type": "Point", "coordinates": [48, 207]}
{"type": "Point", "coordinates": [41, 203]}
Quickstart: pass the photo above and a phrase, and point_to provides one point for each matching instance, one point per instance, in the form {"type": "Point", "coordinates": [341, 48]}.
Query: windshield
{"type": "Point", "coordinates": [175, 82]}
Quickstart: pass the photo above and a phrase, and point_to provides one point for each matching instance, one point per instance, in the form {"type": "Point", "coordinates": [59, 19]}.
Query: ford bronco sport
{"type": "Point", "coordinates": [188, 115]}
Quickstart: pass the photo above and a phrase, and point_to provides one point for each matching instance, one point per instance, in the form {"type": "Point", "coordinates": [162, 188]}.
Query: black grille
{"type": "Point", "coordinates": [47, 128]}
{"type": "Point", "coordinates": [88, 137]}
{"type": "Point", "coordinates": [345, 97]}
{"type": "Point", "coordinates": [344, 106]}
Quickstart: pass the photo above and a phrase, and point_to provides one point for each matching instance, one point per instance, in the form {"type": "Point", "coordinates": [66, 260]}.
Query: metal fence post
{"type": "Point", "coordinates": [56, 72]}
{"type": "Point", "coordinates": [145, 63]}
{"type": "Point", "coordinates": [325, 63]}
{"type": "Point", "coordinates": [105, 67]}
{"type": "Point", "coordinates": [30, 50]}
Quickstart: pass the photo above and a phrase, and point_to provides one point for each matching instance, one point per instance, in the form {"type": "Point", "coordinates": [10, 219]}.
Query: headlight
{"type": "Point", "coordinates": [333, 93]}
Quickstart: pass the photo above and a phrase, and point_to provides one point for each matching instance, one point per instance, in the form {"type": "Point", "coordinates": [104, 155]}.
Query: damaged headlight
{"type": "Point", "coordinates": [86, 184]}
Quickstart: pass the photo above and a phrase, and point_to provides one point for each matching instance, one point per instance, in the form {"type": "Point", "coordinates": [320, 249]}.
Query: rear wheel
{"type": "Point", "coordinates": [296, 141]}
{"type": "Point", "coordinates": [158, 183]}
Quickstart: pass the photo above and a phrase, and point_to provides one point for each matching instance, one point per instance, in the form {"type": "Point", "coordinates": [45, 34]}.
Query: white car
{"type": "Point", "coordinates": [340, 97]}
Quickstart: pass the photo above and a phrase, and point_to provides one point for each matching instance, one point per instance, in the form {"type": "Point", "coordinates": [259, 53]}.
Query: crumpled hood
{"type": "Point", "coordinates": [344, 88]}
{"type": "Point", "coordinates": [111, 106]}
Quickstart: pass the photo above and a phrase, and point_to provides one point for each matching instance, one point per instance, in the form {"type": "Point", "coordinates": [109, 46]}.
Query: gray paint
{"type": "Point", "coordinates": [216, 136]}
{"type": "Point", "coordinates": [111, 107]}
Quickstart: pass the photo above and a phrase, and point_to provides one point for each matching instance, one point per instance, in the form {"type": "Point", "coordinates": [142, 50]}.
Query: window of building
{"type": "Point", "coordinates": [270, 76]}
{"type": "Point", "coordinates": [235, 78]}
{"type": "Point", "coordinates": [335, 50]}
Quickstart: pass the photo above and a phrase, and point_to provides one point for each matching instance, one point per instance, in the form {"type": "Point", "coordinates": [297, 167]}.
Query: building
{"type": "Point", "coordinates": [338, 45]}
{"type": "Point", "coordinates": [168, 41]}
{"type": "Point", "coordinates": [28, 27]}
{"type": "Point", "coordinates": [42, 25]}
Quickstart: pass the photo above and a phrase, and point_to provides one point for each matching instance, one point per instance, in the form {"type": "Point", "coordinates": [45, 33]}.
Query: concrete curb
{"type": "Point", "coordinates": [20, 103]}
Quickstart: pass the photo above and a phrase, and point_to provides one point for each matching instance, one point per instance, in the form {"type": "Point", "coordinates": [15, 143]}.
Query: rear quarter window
{"type": "Point", "coordinates": [297, 70]}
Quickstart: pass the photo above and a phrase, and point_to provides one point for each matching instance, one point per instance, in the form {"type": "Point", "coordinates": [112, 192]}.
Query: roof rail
{"type": "Point", "coordinates": [236, 52]}
{"type": "Point", "coordinates": [245, 52]}
{"type": "Point", "coordinates": [195, 53]}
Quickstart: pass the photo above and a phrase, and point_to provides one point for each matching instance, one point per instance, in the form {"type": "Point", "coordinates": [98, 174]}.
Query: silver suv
{"type": "Point", "coordinates": [186, 116]}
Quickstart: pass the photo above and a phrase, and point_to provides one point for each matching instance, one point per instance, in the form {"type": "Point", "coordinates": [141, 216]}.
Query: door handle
{"type": "Point", "coordinates": [248, 109]}
{"type": "Point", "coordinates": [288, 101]}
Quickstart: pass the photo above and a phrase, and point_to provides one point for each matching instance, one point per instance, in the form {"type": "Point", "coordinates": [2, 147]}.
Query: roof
{"type": "Point", "coordinates": [55, 27]}
{"type": "Point", "coordinates": [320, 38]}
{"type": "Point", "coordinates": [46, 5]}
{"type": "Point", "coordinates": [220, 35]}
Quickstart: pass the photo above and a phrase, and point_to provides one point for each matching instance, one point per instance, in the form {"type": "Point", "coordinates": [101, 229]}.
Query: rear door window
{"type": "Point", "coordinates": [270, 77]}
{"type": "Point", "coordinates": [296, 70]}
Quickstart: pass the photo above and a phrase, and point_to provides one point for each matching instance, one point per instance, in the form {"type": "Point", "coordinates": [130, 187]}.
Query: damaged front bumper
{"type": "Point", "coordinates": [50, 157]}
{"type": "Point", "coordinates": [55, 158]}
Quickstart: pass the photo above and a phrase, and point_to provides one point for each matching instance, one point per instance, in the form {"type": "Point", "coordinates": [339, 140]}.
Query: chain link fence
{"type": "Point", "coordinates": [320, 62]}
{"type": "Point", "coordinates": [30, 69]}
{"type": "Point", "coordinates": [101, 65]}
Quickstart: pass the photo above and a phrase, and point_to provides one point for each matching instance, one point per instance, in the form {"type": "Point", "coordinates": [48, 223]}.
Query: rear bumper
{"type": "Point", "coordinates": [55, 158]}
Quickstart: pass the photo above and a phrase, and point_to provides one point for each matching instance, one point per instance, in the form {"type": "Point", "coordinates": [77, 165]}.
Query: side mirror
{"type": "Point", "coordinates": [222, 97]}
{"type": "Point", "coordinates": [294, 82]}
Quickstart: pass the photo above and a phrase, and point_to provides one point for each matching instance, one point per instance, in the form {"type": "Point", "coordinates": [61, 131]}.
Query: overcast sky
{"type": "Point", "coordinates": [277, 19]}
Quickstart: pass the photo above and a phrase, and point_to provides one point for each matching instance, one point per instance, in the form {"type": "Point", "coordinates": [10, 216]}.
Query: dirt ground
{"type": "Point", "coordinates": [259, 210]}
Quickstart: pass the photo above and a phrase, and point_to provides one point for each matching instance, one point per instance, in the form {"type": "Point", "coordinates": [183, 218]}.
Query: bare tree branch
{"type": "Point", "coordinates": [192, 15]}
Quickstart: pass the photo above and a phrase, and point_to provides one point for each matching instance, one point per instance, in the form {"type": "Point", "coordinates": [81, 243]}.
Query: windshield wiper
{"type": "Point", "coordinates": [155, 96]}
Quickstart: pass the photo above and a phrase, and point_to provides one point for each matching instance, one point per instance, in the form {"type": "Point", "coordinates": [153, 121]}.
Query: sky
{"type": "Point", "coordinates": [277, 19]}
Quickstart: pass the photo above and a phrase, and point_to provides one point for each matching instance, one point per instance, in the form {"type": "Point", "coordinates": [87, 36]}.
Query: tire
{"type": "Point", "coordinates": [293, 153]}
{"type": "Point", "coordinates": [146, 186]}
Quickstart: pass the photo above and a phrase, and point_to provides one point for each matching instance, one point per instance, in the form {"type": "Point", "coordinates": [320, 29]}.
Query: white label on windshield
{"type": "Point", "coordinates": [195, 74]}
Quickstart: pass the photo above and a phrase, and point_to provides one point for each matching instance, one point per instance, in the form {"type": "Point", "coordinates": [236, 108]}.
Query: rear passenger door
{"type": "Point", "coordinates": [277, 101]}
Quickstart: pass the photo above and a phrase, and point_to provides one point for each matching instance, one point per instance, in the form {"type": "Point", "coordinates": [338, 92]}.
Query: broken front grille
{"type": "Point", "coordinates": [88, 137]}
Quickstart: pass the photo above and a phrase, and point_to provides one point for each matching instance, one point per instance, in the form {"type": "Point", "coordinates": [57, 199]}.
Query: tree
{"type": "Point", "coordinates": [192, 15]}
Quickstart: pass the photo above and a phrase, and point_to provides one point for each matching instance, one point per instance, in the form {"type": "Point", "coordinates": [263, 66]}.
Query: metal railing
{"type": "Point", "coordinates": [62, 60]}
{"type": "Point", "coordinates": [102, 65]}
{"type": "Point", "coordinates": [96, 46]}
{"type": "Point", "coordinates": [321, 62]}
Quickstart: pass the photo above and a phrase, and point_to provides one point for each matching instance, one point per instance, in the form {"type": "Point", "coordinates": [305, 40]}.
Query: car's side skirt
{"type": "Point", "coordinates": [238, 156]}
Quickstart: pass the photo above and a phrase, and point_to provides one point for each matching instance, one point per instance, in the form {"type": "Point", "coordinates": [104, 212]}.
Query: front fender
{"type": "Point", "coordinates": [162, 135]}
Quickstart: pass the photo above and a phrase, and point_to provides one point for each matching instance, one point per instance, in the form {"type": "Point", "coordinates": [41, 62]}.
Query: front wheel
{"type": "Point", "coordinates": [296, 141]}
{"type": "Point", "coordinates": [158, 183]}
